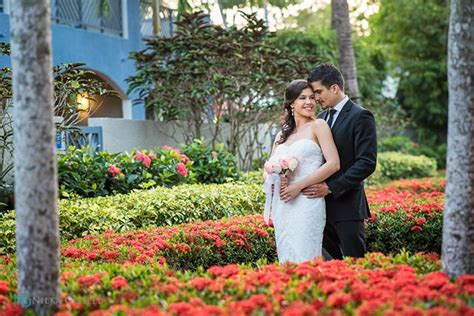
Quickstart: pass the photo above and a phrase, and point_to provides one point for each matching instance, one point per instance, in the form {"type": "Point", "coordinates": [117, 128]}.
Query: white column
{"type": "Point", "coordinates": [127, 109]}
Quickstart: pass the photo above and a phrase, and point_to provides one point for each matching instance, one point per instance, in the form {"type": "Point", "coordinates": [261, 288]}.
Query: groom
{"type": "Point", "coordinates": [353, 129]}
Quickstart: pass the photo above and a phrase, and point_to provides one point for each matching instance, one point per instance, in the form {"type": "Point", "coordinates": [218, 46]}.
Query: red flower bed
{"type": "Point", "coordinates": [371, 286]}
{"type": "Point", "coordinates": [406, 214]}
{"type": "Point", "coordinates": [238, 239]}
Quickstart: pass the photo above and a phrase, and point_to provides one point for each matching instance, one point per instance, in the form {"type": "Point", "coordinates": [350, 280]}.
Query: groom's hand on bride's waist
{"type": "Point", "coordinates": [316, 190]}
{"type": "Point", "coordinates": [283, 184]}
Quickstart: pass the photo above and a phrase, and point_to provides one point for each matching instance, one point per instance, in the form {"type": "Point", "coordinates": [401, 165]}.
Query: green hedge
{"type": "Point", "coordinates": [394, 165]}
{"type": "Point", "coordinates": [155, 207]}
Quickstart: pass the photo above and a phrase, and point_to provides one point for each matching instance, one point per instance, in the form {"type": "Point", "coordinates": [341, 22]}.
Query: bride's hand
{"type": "Point", "coordinates": [290, 192]}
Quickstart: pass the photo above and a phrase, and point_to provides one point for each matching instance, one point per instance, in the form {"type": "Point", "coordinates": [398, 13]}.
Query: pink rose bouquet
{"type": "Point", "coordinates": [283, 166]}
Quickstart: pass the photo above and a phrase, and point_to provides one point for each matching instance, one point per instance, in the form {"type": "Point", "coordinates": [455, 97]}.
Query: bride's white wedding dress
{"type": "Point", "coordinates": [299, 224]}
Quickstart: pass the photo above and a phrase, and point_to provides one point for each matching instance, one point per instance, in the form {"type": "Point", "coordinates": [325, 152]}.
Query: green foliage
{"type": "Point", "coordinates": [391, 232]}
{"type": "Point", "coordinates": [6, 129]}
{"type": "Point", "coordinates": [211, 165]}
{"type": "Point", "coordinates": [83, 172]}
{"type": "Point", "coordinates": [249, 177]}
{"type": "Point", "coordinates": [415, 34]}
{"type": "Point", "coordinates": [395, 165]}
{"type": "Point", "coordinates": [400, 144]}
{"type": "Point", "coordinates": [321, 42]}
{"type": "Point", "coordinates": [206, 74]}
{"type": "Point", "coordinates": [150, 208]}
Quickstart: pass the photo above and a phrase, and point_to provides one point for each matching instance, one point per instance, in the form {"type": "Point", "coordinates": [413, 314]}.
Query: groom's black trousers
{"type": "Point", "coordinates": [342, 239]}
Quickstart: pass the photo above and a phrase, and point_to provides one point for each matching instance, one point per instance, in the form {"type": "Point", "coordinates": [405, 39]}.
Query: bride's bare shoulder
{"type": "Point", "coordinates": [318, 123]}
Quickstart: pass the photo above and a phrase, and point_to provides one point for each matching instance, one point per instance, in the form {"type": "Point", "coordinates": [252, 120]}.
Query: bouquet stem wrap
{"type": "Point", "coordinates": [271, 201]}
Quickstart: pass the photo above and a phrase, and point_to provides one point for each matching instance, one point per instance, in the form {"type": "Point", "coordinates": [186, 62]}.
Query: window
{"type": "Point", "coordinates": [86, 14]}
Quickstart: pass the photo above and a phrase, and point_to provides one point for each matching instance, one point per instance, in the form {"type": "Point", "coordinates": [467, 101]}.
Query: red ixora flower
{"type": "Point", "coordinates": [4, 288]}
{"type": "Point", "coordinates": [181, 169]}
{"type": "Point", "coordinates": [119, 282]}
{"type": "Point", "coordinates": [144, 159]}
{"type": "Point", "coordinates": [416, 228]}
{"type": "Point", "coordinates": [114, 171]}
{"type": "Point", "coordinates": [420, 221]}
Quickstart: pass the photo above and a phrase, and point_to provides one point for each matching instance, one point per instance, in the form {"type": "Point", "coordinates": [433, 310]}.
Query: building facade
{"type": "Point", "coordinates": [100, 34]}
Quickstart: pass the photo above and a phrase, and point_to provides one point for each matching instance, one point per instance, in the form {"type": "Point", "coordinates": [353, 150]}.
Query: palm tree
{"type": "Point", "coordinates": [458, 225]}
{"type": "Point", "coordinates": [340, 21]}
{"type": "Point", "coordinates": [37, 238]}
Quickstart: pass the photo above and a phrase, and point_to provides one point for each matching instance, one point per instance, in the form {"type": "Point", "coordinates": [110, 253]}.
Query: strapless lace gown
{"type": "Point", "coordinates": [299, 224]}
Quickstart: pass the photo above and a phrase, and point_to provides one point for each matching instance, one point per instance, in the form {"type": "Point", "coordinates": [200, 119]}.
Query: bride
{"type": "Point", "coordinates": [299, 221]}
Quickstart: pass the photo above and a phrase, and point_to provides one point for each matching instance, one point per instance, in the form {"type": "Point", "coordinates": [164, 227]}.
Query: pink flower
{"type": "Point", "coordinates": [176, 150]}
{"type": "Point", "coordinates": [181, 169]}
{"type": "Point", "coordinates": [145, 160]}
{"type": "Point", "coordinates": [268, 167]}
{"type": "Point", "coordinates": [114, 171]}
{"type": "Point", "coordinates": [214, 154]}
{"type": "Point", "coordinates": [284, 163]}
{"type": "Point", "coordinates": [152, 155]}
{"type": "Point", "coordinates": [184, 159]}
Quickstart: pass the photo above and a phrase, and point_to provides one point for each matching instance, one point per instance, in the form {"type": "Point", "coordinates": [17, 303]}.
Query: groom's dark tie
{"type": "Point", "coordinates": [331, 117]}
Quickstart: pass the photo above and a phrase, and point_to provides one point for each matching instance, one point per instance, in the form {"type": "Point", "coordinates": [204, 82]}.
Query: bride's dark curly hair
{"type": "Point", "coordinates": [293, 90]}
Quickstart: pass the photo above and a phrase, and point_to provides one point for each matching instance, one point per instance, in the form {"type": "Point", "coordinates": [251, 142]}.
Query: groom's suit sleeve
{"type": "Point", "coordinates": [365, 150]}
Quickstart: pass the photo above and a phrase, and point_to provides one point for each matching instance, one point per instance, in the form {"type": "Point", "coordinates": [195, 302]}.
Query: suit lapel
{"type": "Point", "coordinates": [342, 116]}
{"type": "Point", "coordinates": [323, 115]}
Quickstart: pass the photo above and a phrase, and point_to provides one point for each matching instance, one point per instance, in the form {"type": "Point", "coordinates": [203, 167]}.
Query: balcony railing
{"type": "Point", "coordinates": [99, 16]}
{"type": "Point", "coordinates": [167, 18]}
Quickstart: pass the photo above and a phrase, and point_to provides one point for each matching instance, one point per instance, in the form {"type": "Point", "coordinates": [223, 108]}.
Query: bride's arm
{"type": "Point", "coordinates": [331, 166]}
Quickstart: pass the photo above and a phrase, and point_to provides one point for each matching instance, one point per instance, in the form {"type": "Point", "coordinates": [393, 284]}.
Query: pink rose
{"type": "Point", "coordinates": [152, 155]}
{"type": "Point", "coordinates": [214, 154]}
{"type": "Point", "coordinates": [284, 163]}
{"type": "Point", "coordinates": [268, 167]}
{"type": "Point", "coordinates": [144, 159]}
{"type": "Point", "coordinates": [114, 171]}
{"type": "Point", "coordinates": [181, 169]}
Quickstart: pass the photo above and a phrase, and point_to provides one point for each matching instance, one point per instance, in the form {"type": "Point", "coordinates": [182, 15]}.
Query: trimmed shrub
{"type": "Point", "coordinates": [156, 207]}
{"type": "Point", "coordinates": [395, 165]}
{"type": "Point", "coordinates": [401, 144]}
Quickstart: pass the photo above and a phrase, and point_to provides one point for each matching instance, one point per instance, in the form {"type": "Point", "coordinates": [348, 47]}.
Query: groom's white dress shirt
{"type": "Point", "coordinates": [338, 109]}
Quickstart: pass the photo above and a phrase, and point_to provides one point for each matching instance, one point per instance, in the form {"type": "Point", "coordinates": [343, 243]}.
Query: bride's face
{"type": "Point", "coordinates": [304, 104]}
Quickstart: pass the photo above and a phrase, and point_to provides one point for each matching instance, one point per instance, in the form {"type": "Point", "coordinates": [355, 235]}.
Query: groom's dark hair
{"type": "Point", "coordinates": [328, 74]}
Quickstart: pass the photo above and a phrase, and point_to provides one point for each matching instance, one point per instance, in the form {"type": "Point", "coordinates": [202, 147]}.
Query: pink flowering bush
{"type": "Point", "coordinates": [146, 169]}
{"type": "Point", "coordinates": [86, 173]}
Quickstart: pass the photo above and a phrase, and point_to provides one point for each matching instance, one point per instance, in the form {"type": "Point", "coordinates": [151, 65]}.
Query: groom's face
{"type": "Point", "coordinates": [325, 97]}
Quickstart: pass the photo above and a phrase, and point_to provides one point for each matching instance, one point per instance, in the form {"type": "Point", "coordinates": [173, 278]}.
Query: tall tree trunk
{"type": "Point", "coordinates": [155, 6]}
{"type": "Point", "coordinates": [340, 21]}
{"type": "Point", "coordinates": [458, 225]}
{"type": "Point", "coordinates": [37, 238]}
{"type": "Point", "coordinates": [221, 11]}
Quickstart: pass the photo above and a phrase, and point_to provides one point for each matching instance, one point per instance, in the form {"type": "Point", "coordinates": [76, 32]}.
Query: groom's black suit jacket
{"type": "Point", "coordinates": [356, 141]}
